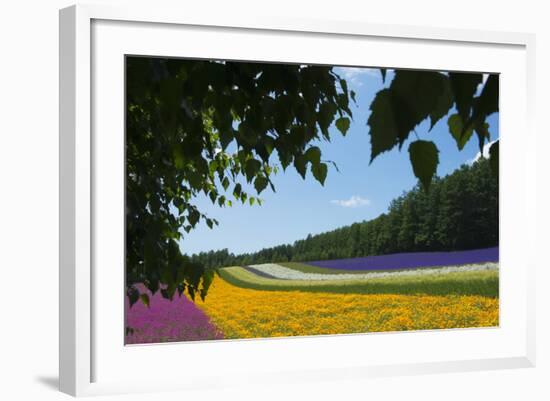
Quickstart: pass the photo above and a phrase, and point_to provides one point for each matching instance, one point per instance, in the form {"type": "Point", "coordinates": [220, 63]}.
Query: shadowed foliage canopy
{"type": "Point", "coordinates": [209, 127]}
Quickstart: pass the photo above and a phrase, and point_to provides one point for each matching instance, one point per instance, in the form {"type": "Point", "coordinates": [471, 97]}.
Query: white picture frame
{"type": "Point", "coordinates": [92, 39]}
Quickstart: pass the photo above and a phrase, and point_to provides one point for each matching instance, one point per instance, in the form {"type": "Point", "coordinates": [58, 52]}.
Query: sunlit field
{"type": "Point", "coordinates": [250, 302]}
{"type": "Point", "coordinates": [249, 313]}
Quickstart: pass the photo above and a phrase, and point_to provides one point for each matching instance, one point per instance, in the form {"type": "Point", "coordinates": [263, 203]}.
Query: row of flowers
{"type": "Point", "coordinates": [286, 273]}
{"type": "Point", "coordinates": [247, 313]}
{"type": "Point", "coordinates": [165, 321]}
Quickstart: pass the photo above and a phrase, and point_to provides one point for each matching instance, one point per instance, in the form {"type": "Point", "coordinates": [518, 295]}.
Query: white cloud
{"type": "Point", "coordinates": [478, 155]}
{"type": "Point", "coordinates": [354, 201]}
{"type": "Point", "coordinates": [353, 74]}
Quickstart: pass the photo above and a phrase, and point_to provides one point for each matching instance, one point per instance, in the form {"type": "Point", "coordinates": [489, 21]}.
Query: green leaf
{"type": "Point", "coordinates": [319, 171]}
{"type": "Point", "coordinates": [382, 122]}
{"type": "Point", "coordinates": [191, 292]}
{"type": "Point", "coordinates": [145, 299]}
{"type": "Point", "coordinates": [313, 155]}
{"type": "Point", "coordinates": [237, 191]}
{"type": "Point", "coordinates": [251, 168]}
{"type": "Point", "coordinates": [193, 217]}
{"type": "Point", "coordinates": [443, 104]}
{"type": "Point", "coordinates": [343, 125]}
{"type": "Point", "coordinates": [242, 155]}
{"type": "Point", "coordinates": [194, 179]}
{"type": "Point", "coordinates": [343, 103]}
{"type": "Point", "coordinates": [179, 159]}
{"type": "Point", "coordinates": [325, 116]}
{"type": "Point", "coordinates": [300, 163]}
{"type": "Point", "coordinates": [344, 85]}
{"type": "Point", "coordinates": [487, 102]}
{"type": "Point", "coordinates": [493, 158]}
{"type": "Point", "coordinates": [152, 286]}
{"type": "Point", "coordinates": [424, 159]}
{"type": "Point", "coordinates": [482, 129]}
{"type": "Point", "coordinates": [464, 86]}
{"type": "Point", "coordinates": [133, 295]}
{"type": "Point", "coordinates": [456, 127]}
{"type": "Point", "coordinates": [383, 72]}
{"type": "Point", "coordinates": [207, 280]}
{"type": "Point", "coordinates": [260, 183]}
{"type": "Point", "coordinates": [225, 183]}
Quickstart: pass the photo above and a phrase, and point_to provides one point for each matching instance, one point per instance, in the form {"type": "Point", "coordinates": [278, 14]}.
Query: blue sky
{"type": "Point", "coordinates": [357, 192]}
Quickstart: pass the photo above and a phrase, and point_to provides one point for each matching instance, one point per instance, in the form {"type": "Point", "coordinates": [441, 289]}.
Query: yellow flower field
{"type": "Point", "coordinates": [248, 313]}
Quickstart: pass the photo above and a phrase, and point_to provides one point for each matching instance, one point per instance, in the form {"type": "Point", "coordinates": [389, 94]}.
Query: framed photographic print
{"type": "Point", "coordinates": [291, 199]}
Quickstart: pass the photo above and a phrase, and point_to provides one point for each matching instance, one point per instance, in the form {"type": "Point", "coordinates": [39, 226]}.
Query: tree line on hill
{"type": "Point", "coordinates": [459, 212]}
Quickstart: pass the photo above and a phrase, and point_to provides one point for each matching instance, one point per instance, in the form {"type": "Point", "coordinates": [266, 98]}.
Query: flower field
{"type": "Point", "coordinates": [165, 321]}
{"type": "Point", "coordinates": [273, 270]}
{"type": "Point", "coordinates": [247, 313]}
{"type": "Point", "coordinates": [412, 260]}
{"type": "Point", "coordinates": [243, 304]}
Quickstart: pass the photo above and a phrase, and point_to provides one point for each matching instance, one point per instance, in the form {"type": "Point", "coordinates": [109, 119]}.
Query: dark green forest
{"type": "Point", "coordinates": [459, 212]}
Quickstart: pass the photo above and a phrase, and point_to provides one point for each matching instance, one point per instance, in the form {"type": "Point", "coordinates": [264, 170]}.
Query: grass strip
{"type": "Point", "coordinates": [482, 283]}
{"type": "Point", "coordinates": [305, 268]}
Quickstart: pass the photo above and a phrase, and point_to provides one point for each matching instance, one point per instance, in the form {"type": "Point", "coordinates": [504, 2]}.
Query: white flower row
{"type": "Point", "coordinates": [286, 273]}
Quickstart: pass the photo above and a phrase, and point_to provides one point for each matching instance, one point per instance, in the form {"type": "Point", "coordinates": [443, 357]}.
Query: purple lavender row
{"type": "Point", "coordinates": [167, 321]}
{"type": "Point", "coordinates": [400, 261]}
